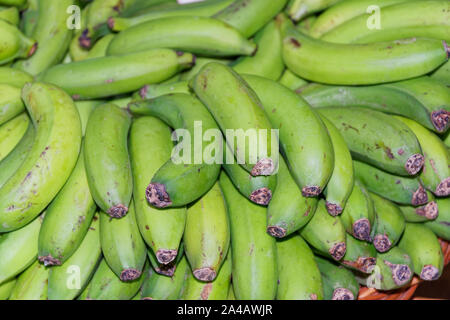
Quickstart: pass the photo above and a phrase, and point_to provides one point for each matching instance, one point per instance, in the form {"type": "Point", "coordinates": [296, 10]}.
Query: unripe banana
{"type": "Point", "coordinates": [150, 148]}
{"type": "Point", "coordinates": [199, 35]}
{"type": "Point", "coordinates": [52, 33]}
{"type": "Point", "coordinates": [441, 225]}
{"type": "Point", "coordinates": [6, 289]}
{"type": "Point", "coordinates": [404, 190]}
{"type": "Point", "coordinates": [254, 256]}
{"type": "Point", "coordinates": [424, 213]}
{"type": "Point", "coordinates": [12, 132]}
{"type": "Point", "coordinates": [172, 184]}
{"type": "Point", "coordinates": [31, 284]}
{"type": "Point", "coordinates": [49, 162]}
{"type": "Point", "coordinates": [29, 18]}
{"type": "Point", "coordinates": [67, 281]}
{"type": "Point", "coordinates": [359, 64]}
{"type": "Point", "coordinates": [167, 269]}
{"type": "Point", "coordinates": [308, 148]}
{"type": "Point", "coordinates": [18, 250]}
{"type": "Point", "coordinates": [423, 247]}
{"type": "Point", "coordinates": [389, 224]}
{"type": "Point", "coordinates": [85, 109]}
{"type": "Point", "coordinates": [291, 80]}
{"type": "Point", "coordinates": [14, 43]}
{"type": "Point", "coordinates": [294, 255]}
{"type": "Point", "coordinates": [435, 175]}
{"type": "Point", "coordinates": [298, 9]}
{"type": "Point", "coordinates": [325, 233]}
{"type": "Point", "coordinates": [200, 62]}
{"type": "Point", "coordinates": [106, 159]}
{"type": "Point", "coordinates": [11, 104]}
{"type": "Point", "coordinates": [442, 74]}
{"type": "Point", "coordinates": [338, 282]}
{"type": "Point", "coordinates": [214, 290]}
{"type": "Point", "coordinates": [106, 76]}
{"type": "Point", "coordinates": [289, 210]}
{"type": "Point", "coordinates": [360, 255]}
{"type": "Point", "coordinates": [249, 16]}
{"type": "Point", "coordinates": [207, 234]}
{"type": "Point", "coordinates": [10, 15]}
{"type": "Point", "coordinates": [100, 48]}
{"type": "Point", "coordinates": [378, 139]}
{"type": "Point", "coordinates": [67, 218]}
{"type": "Point", "coordinates": [239, 109]}
{"type": "Point", "coordinates": [267, 62]}
{"type": "Point", "coordinates": [14, 77]}
{"type": "Point", "coordinates": [156, 90]}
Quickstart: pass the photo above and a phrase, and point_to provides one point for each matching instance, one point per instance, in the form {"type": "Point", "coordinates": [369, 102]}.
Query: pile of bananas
{"type": "Point", "coordinates": [94, 94]}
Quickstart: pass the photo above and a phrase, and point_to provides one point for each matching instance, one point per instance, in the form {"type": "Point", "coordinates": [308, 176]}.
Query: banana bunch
{"type": "Point", "coordinates": [211, 150]}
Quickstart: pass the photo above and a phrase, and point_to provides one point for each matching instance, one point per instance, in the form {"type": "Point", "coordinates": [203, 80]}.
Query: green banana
{"type": "Point", "coordinates": [200, 62]}
{"type": "Point", "coordinates": [199, 35]}
{"type": "Point", "coordinates": [18, 250]}
{"type": "Point", "coordinates": [78, 269]}
{"type": "Point", "coordinates": [340, 185]}
{"type": "Point", "coordinates": [122, 245]}
{"type": "Point", "coordinates": [308, 148]}
{"type": "Point", "coordinates": [289, 210]}
{"type": "Point", "coordinates": [85, 109]}
{"type": "Point", "coordinates": [214, 290]}
{"type": "Point", "coordinates": [253, 251]}
{"type": "Point", "coordinates": [442, 74]}
{"type": "Point", "coordinates": [298, 9]}
{"type": "Point", "coordinates": [172, 184]}
{"type": "Point", "coordinates": [359, 256]}
{"type": "Point", "coordinates": [351, 64]}
{"type": "Point", "coordinates": [6, 289]}
{"type": "Point", "coordinates": [100, 48]}
{"type": "Point", "coordinates": [404, 190]}
{"type": "Point", "coordinates": [156, 90]}
{"type": "Point", "coordinates": [52, 33]}
{"type": "Point", "coordinates": [106, 159]}
{"type": "Point", "coordinates": [338, 283]}
{"type": "Point", "coordinates": [267, 61]}
{"type": "Point", "coordinates": [49, 162]}
{"type": "Point", "coordinates": [378, 139]}
{"type": "Point", "coordinates": [31, 284]}
{"type": "Point", "coordinates": [423, 247]}
{"type": "Point", "coordinates": [150, 147]}
{"type": "Point", "coordinates": [167, 269]}
{"type": "Point", "coordinates": [197, 9]}
{"type": "Point", "coordinates": [10, 14]}
{"type": "Point", "coordinates": [389, 224]}
{"type": "Point", "coordinates": [435, 175]}
{"type": "Point", "coordinates": [325, 233]}
{"type": "Point", "coordinates": [418, 14]}
{"type": "Point", "coordinates": [424, 213]}
{"type": "Point", "coordinates": [225, 105]}
{"type": "Point", "coordinates": [14, 43]}
{"type": "Point", "coordinates": [14, 77]}
{"type": "Point", "coordinates": [67, 218]}
{"type": "Point", "coordinates": [293, 255]}
{"type": "Point", "coordinates": [437, 31]}
{"type": "Point", "coordinates": [207, 234]}
{"type": "Point", "coordinates": [12, 132]}
{"type": "Point", "coordinates": [393, 270]}
{"type": "Point", "coordinates": [11, 104]}
{"type": "Point", "coordinates": [106, 77]}
{"type": "Point", "coordinates": [291, 80]}
{"type": "Point", "coordinates": [441, 225]}
{"type": "Point", "coordinates": [105, 285]}
{"type": "Point", "coordinates": [159, 287]}
{"type": "Point", "coordinates": [249, 16]}
{"type": "Point", "coordinates": [29, 18]}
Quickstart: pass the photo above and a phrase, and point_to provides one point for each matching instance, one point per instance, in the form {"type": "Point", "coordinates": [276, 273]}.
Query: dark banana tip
{"type": "Point", "coordinates": [419, 197]}
{"type": "Point", "coordinates": [361, 229]}
{"type": "Point", "coordinates": [206, 274]}
{"type": "Point", "coordinates": [111, 23]}
{"type": "Point", "coordinates": [166, 269]}
{"type": "Point", "coordinates": [261, 196]}
{"type": "Point", "coordinates": [264, 167]}
{"type": "Point", "coordinates": [431, 210]}
{"type": "Point", "coordinates": [33, 49]}
{"type": "Point", "coordinates": [342, 294]}
{"type": "Point", "coordinates": [363, 264]}
{"type": "Point", "coordinates": [276, 231]}
{"type": "Point", "coordinates": [157, 195]}
{"type": "Point", "coordinates": [143, 92]}
{"type": "Point", "coordinates": [166, 256]}
{"type": "Point", "coordinates": [414, 164]}
{"type": "Point", "coordinates": [118, 211]}
{"type": "Point", "coordinates": [147, 298]}
{"type": "Point", "coordinates": [337, 252]}
{"type": "Point", "coordinates": [447, 48]}
{"type": "Point", "coordinates": [401, 273]}
{"type": "Point", "coordinates": [443, 188]}
{"type": "Point", "coordinates": [311, 191]}
{"type": "Point", "coordinates": [429, 273]}
{"type": "Point", "coordinates": [382, 243]}
{"type": "Point", "coordinates": [333, 209]}
{"type": "Point", "coordinates": [49, 261]}
{"type": "Point", "coordinates": [440, 120]}
{"type": "Point", "coordinates": [130, 274]}
{"type": "Point", "coordinates": [84, 40]}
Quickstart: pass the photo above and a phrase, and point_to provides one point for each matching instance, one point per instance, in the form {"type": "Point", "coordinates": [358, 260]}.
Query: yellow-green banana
{"type": "Point", "coordinates": [14, 43]}
{"type": "Point", "coordinates": [11, 104]}
{"type": "Point", "coordinates": [14, 77]}
{"type": "Point", "coordinates": [12, 132]}
{"type": "Point", "coordinates": [10, 14]}
{"type": "Point", "coordinates": [6, 289]}
{"type": "Point", "coordinates": [32, 284]}
{"type": "Point", "coordinates": [298, 9]}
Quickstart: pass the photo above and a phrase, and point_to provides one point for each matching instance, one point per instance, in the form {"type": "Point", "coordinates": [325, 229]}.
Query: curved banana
{"type": "Point", "coordinates": [11, 104]}
{"type": "Point", "coordinates": [441, 225]}
{"type": "Point", "coordinates": [14, 43]}
{"type": "Point", "coordinates": [10, 14]}
{"type": "Point", "coordinates": [14, 77]}
{"type": "Point", "coordinates": [424, 213]}
{"type": "Point", "coordinates": [298, 9]}
{"type": "Point", "coordinates": [359, 256]}
{"type": "Point", "coordinates": [291, 81]}
{"type": "Point", "coordinates": [32, 284]}
{"type": "Point", "coordinates": [12, 132]}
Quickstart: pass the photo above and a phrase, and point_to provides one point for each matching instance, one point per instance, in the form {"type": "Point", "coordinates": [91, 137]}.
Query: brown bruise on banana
{"type": "Point", "coordinates": [311, 191]}
{"type": "Point", "coordinates": [206, 274]}
{"type": "Point", "coordinates": [337, 252]}
{"type": "Point", "coordinates": [419, 197]}
{"type": "Point", "coordinates": [32, 50]}
{"type": "Point", "coordinates": [263, 167]}
{"type": "Point", "coordinates": [277, 232]}
{"type": "Point", "coordinates": [429, 211]}
{"type": "Point", "coordinates": [166, 256]}
{"type": "Point", "coordinates": [261, 196]}
{"type": "Point", "coordinates": [443, 188]}
{"type": "Point", "coordinates": [85, 40]}
{"type": "Point", "coordinates": [361, 229]}
{"type": "Point", "coordinates": [130, 274]}
{"type": "Point", "coordinates": [429, 273]}
{"type": "Point", "coordinates": [118, 211]}
{"type": "Point", "coordinates": [206, 291]}
{"type": "Point", "coordinates": [342, 294]}
{"type": "Point", "coordinates": [49, 260]}
{"type": "Point", "coordinates": [414, 164]}
{"type": "Point", "coordinates": [143, 92]}
{"type": "Point", "coordinates": [111, 23]}
{"type": "Point", "coordinates": [157, 195]}
{"type": "Point", "coordinates": [440, 120]}
{"type": "Point", "coordinates": [382, 243]}
{"type": "Point", "coordinates": [333, 209]}
{"type": "Point", "coordinates": [401, 273]}
{"type": "Point", "coordinates": [363, 264]}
